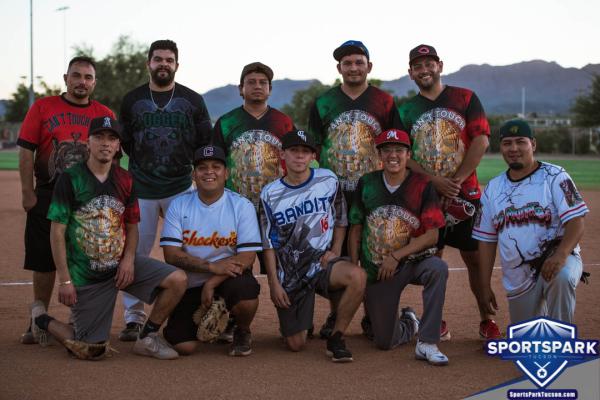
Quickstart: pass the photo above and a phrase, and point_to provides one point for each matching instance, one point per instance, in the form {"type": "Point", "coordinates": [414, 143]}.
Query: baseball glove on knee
{"type": "Point", "coordinates": [88, 351]}
{"type": "Point", "coordinates": [211, 321]}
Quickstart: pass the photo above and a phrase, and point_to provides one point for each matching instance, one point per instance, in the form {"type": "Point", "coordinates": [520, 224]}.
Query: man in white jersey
{"type": "Point", "coordinates": [213, 235]}
{"type": "Point", "coordinates": [304, 219]}
{"type": "Point", "coordinates": [535, 213]}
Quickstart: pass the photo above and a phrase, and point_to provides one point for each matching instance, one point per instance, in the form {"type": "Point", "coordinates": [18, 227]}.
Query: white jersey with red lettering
{"type": "Point", "coordinates": [211, 232]}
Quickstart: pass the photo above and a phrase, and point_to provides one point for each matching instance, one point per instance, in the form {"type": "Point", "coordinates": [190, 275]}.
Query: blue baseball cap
{"type": "Point", "coordinates": [350, 47]}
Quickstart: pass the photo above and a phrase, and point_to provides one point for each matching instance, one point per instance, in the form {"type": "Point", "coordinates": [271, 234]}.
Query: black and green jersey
{"type": "Point", "coordinates": [252, 147]}
{"type": "Point", "coordinates": [95, 214]}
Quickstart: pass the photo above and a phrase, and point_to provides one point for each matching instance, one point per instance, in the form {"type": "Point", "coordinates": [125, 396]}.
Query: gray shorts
{"type": "Point", "coordinates": [92, 314]}
{"type": "Point", "coordinates": [299, 316]}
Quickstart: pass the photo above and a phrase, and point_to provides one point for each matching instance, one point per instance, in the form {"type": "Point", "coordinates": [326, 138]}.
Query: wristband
{"type": "Point", "coordinates": [65, 283]}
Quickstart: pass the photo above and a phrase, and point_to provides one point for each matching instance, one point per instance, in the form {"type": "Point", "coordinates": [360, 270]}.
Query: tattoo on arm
{"type": "Point", "coordinates": [190, 264]}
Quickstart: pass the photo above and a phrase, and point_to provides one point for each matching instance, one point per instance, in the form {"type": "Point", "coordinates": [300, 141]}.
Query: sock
{"type": "Point", "coordinates": [42, 321]}
{"type": "Point", "coordinates": [149, 327]}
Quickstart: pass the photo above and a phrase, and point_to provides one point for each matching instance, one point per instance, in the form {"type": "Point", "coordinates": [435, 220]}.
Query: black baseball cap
{"type": "Point", "coordinates": [298, 138]}
{"type": "Point", "coordinates": [422, 50]}
{"type": "Point", "coordinates": [209, 152]}
{"type": "Point", "coordinates": [516, 128]}
{"type": "Point", "coordinates": [350, 47]}
{"type": "Point", "coordinates": [256, 67]}
{"type": "Point", "coordinates": [101, 124]}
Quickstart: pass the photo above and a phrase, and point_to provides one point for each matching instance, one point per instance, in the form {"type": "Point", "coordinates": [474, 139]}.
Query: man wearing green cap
{"type": "Point", "coordinates": [535, 213]}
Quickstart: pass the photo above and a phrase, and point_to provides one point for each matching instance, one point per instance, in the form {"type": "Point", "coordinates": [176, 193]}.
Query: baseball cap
{"type": "Point", "coordinates": [392, 136]}
{"type": "Point", "coordinates": [516, 128]}
{"type": "Point", "coordinates": [256, 67]}
{"type": "Point", "coordinates": [422, 50]}
{"type": "Point", "coordinates": [209, 152]}
{"type": "Point", "coordinates": [297, 138]}
{"type": "Point", "coordinates": [350, 47]}
{"type": "Point", "coordinates": [101, 124]}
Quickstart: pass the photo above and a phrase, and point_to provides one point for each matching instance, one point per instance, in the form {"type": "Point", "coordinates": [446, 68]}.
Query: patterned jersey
{"type": "Point", "coordinates": [57, 131]}
{"type": "Point", "coordinates": [298, 222]}
{"type": "Point", "coordinates": [252, 147]}
{"type": "Point", "coordinates": [211, 232]}
{"type": "Point", "coordinates": [390, 220]}
{"type": "Point", "coordinates": [442, 130]}
{"type": "Point", "coordinates": [346, 129]}
{"type": "Point", "coordinates": [160, 135]}
{"type": "Point", "coordinates": [523, 217]}
{"type": "Point", "coordinates": [95, 214]}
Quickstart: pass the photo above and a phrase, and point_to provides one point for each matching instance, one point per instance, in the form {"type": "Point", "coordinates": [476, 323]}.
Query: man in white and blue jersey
{"type": "Point", "coordinates": [304, 219]}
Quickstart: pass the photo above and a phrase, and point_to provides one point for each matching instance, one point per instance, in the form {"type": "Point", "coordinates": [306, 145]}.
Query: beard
{"type": "Point", "coordinates": [160, 80]}
{"type": "Point", "coordinates": [516, 166]}
{"type": "Point", "coordinates": [435, 78]}
{"type": "Point", "coordinates": [78, 94]}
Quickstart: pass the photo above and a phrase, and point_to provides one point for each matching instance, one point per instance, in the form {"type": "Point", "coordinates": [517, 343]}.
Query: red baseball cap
{"type": "Point", "coordinates": [392, 136]}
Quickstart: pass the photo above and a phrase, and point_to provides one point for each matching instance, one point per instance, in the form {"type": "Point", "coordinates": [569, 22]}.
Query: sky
{"type": "Point", "coordinates": [217, 38]}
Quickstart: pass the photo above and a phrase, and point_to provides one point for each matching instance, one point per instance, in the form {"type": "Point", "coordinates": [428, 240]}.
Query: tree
{"type": "Point", "coordinates": [18, 104]}
{"type": "Point", "coordinates": [587, 106]}
{"type": "Point", "coordinates": [299, 109]}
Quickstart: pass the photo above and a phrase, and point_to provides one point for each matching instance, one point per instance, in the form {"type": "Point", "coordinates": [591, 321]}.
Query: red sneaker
{"type": "Point", "coordinates": [444, 332]}
{"type": "Point", "coordinates": [488, 329]}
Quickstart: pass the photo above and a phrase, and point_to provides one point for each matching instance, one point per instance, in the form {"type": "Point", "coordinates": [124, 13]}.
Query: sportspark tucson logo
{"type": "Point", "coordinates": [542, 348]}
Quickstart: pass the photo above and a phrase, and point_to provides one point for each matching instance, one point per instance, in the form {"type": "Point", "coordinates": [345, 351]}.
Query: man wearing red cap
{"type": "Point", "coordinates": [395, 217]}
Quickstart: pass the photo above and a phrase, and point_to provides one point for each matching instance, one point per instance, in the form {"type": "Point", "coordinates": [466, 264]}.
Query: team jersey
{"type": "Point", "coordinates": [524, 216]}
{"type": "Point", "coordinates": [390, 220]}
{"type": "Point", "coordinates": [160, 138]}
{"type": "Point", "coordinates": [298, 223]}
{"type": "Point", "coordinates": [442, 130]}
{"type": "Point", "coordinates": [57, 131]}
{"type": "Point", "coordinates": [252, 147]}
{"type": "Point", "coordinates": [211, 232]}
{"type": "Point", "coordinates": [95, 214]}
{"type": "Point", "coordinates": [346, 130]}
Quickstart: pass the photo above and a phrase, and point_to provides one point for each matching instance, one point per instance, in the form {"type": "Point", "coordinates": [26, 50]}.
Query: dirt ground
{"type": "Point", "coordinates": [271, 372]}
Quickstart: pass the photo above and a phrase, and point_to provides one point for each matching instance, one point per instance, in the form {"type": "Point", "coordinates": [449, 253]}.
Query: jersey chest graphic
{"type": "Point", "coordinates": [389, 229]}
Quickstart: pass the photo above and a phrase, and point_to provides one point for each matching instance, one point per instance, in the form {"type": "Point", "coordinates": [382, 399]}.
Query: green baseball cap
{"type": "Point", "coordinates": [516, 128]}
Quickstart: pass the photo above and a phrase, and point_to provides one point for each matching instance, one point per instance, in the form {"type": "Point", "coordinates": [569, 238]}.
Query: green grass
{"type": "Point", "coordinates": [584, 171]}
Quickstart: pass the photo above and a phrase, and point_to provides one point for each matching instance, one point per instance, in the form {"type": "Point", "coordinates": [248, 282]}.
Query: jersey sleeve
{"type": "Point", "coordinates": [29, 134]}
{"type": "Point", "coordinates": [340, 207]}
{"type": "Point", "coordinates": [356, 216]}
{"type": "Point", "coordinates": [126, 125]}
{"type": "Point", "coordinates": [63, 198]}
{"type": "Point", "coordinates": [266, 221]}
{"type": "Point", "coordinates": [172, 231]}
{"type": "Point", "coordinates": [247, 229]}
{"type": "Point", "coordinates": [477, 123]}
{"type": "Point", "coordinates": [567, 199]}
{"type": "Point", "coordinates": [217, 138]}
{"type": "Point", "coordinates": [315, 125]}
{"type": "Point", "coordinates": [432, 216]}
{"type": "Point", "coordinates": [132, 208]}
{"type": "Point", "coordinates": [483, 229]}
{"type": "Point", "coordinates": [202, 123]}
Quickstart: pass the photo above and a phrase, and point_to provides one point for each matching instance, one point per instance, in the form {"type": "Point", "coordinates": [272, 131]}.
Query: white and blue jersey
{"type": "Point", "coordinates": [298, 223]}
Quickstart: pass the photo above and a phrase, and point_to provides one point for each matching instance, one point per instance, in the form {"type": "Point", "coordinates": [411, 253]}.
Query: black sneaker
{"type": "Point", "coordinates": [336, 349]}
{"type": "Point", "coordinates": [242, 343]}
{"type": "Point", "coordinates": [227, 335]}
{"type": "Point", "coordinates": [310, 333]}
{"type": "Point", "coordinates": [367, 328]}
{"type": "Point", "coordinates": [327, 328]}
{"type": "Point", "coordinates": [131, 332]}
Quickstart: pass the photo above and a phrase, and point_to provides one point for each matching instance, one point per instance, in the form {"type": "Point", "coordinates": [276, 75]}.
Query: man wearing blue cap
{"type": "Point", "coordinates": [535, 213]}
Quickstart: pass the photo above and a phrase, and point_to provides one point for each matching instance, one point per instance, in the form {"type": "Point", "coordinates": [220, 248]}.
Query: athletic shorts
{"type": "Point", "coordinates": [299, 316]}
{"type": "Point", "coordinates": [459, 235]}
{"type": "Point", "coordinates": [181, 327]}
{"type": "Point", "coordinates": [93, 312]}
{"type": "Point", "coordinates": [38, 253]}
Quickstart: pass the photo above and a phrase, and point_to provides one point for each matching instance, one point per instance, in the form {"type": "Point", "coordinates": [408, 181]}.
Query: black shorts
{"type": "Point", "coordinates": [38, 253]}
{"type": "Point", "coordinates": [180, 326]}
{"type": "Point", "coordinates": [459, 235]}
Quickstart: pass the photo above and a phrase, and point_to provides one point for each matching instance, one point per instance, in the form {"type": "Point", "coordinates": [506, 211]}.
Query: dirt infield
{"type": "Point", "coordinates": [32, 372]}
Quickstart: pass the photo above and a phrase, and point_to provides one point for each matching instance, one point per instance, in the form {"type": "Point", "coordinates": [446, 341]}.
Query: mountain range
{"type": "Point", "coordinates": [550, 89]}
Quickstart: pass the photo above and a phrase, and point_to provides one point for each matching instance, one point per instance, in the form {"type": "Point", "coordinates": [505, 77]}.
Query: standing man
{"type": "Point", "coordinates": [344, 122]}
{"type": "Point", "coordinates": [164, 123]}
{"type": "Point", "coordinates": [449, 133]}
{"type": "Point", "coordinates": [251, 136]}
{"type": "Point", "coordinates": [304, 219]}
{"type": "Point", "coordinates": [535, 213]}
{"type": "Point", "coordinates": [52, 138]}
{"type": "Point", "coordinates": [94, 216]}
{"type": "Point", "coordinates": [213, 235]}
{"type": "Point", "coordinates": [395, 219]}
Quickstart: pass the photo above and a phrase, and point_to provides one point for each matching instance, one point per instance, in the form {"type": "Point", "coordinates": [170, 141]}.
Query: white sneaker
{"type": "Point", "coordinates": [153, 345]}
{"type": "Point", "coordinates": [409, 314]}
{"type": "Point", "coordinates": [39, 335]}
{"type": "Point", "coordinates": [431, 353]}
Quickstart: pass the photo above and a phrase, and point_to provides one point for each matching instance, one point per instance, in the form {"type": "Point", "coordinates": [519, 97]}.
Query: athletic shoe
{"type": "Point", "coordinates": [367, 328]}
{"type": "Point", "coordinates": [39, 335]}
{"type": "Point", "coordinates": [488, 330]}
{"type": "Point", "coordinates": [227, 335]}
{"type": "Point", "coordinates": [242, 343]}
{"type": "Point", "coordinates": [153, 345]}
{"type": "Point", "coordinates": [27, 337]}
{"type": "Point", "coordinates": [409, 314]}
{"type": "Point", "coordinates": [131, 332]}
{"type": "Point", "coordinates": [327, 328]}
{"type": "Point", "coordinates": [431, 353]}
{"type": "Point", "coordinates": [336, 349]}
{"type": "Point", "coordinates": [444, 332]}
